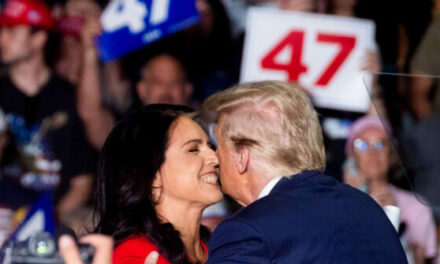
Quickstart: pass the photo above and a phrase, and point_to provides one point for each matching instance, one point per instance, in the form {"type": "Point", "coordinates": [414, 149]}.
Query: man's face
{"type": "Point", "coordinates": [164, 82]}
{"type": "Point", "coordinates": [297, 5]}
{"type": "Point", "coordinates": [230, 177]}
{"type": "Point", "coordinates": [15, 44]}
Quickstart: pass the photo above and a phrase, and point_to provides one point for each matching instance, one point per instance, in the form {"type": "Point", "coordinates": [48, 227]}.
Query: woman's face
{"type": "Point", "coordinates": [190, 171]}
{"type": "Point", "coordinates": [371, 153]}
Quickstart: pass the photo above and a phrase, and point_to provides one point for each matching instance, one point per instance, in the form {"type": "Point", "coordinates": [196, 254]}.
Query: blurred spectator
{"type": "Point", "coordinates": [342, 7]}
{"type": "Point", "coordinates": [298, 5]}
{"type": "Point", "coordinates": [425, 90]}
{"type": "Point", "coordinates": [336, 123]}
{"type": "Point", "coordinates": [370, 159]}
{"type": "Point", "coordinates": [79, 220]}
{"type": "Point", "coordinates": [207, 50]}
{"type": "Point", "coordinates": [422, 148]}
{"type": "Point", "coordinates": [41, 114]}
{"type": "Point", "coordinates": [103, 245]}
{"type": "Point", "coordinates": [69, 24]}
{"type": "Point", "coordinates": [164, 80]}
{"type": "Point", "coordinates": [3, 137]}
{"type": "Point", "coordinates": [397, 36]}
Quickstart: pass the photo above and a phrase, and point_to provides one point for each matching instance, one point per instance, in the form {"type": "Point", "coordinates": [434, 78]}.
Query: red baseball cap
{"type": "Point", "coordinates": [26, 12]}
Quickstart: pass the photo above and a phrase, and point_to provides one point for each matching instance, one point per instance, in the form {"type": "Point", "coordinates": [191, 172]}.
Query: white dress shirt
{"type": "Point", "coordinates": [269, 186]}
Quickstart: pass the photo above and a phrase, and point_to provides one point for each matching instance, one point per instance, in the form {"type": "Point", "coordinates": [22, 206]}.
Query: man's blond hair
{"type": "Point", "coordinates": [275, 120]}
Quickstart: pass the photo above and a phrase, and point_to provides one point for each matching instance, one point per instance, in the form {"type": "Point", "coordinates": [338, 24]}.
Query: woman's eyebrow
{"type": "Point", "coordinates": [197, 140]}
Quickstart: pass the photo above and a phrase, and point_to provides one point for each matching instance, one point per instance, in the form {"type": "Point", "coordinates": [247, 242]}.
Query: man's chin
{"type": "Point", "coordinates": [10, 62]}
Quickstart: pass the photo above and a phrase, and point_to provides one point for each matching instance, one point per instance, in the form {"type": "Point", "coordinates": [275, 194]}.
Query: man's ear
{"type": "Point", "coordinates": [188, 90]}
{"type": "Point", "coordinates": [141, 91]}
{"type": "Point", "coordinates": [39, 39]}
{"type": "Point", "coordinates": [243, 159]}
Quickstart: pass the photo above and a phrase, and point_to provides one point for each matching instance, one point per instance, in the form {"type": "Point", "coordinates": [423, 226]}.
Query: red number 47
{"type": "Point", "coordinates": [295, 67]}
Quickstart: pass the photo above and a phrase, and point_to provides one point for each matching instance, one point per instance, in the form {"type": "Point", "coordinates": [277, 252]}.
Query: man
{"type": "Point", "coordinates": [41, 112]}
{"type": "Point", "coordinates": [163, 80]}
{"type": "Point", "coordinates": [271, 155]}
{"type": "Point", "coordinates": [425, 65]}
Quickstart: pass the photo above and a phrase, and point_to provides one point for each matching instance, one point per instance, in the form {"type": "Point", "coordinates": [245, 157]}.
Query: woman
{"type": "Point", "coordinates": [156, 174]}
{"type": "Point", "coordinates": [367, 169]}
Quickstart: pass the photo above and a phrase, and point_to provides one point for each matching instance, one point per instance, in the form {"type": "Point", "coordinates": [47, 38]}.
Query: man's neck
{"type": "Point", "coordinates": [257, 181]}
{"type": "Point", "coordinates": [29, 76]}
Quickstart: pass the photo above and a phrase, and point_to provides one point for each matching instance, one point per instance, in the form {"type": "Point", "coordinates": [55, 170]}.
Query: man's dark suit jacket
{"type": "Point", "coordinates": [308, 218]}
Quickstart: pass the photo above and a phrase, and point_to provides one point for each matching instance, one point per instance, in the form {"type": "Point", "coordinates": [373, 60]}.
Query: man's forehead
{"type": "Point", "coordinates": [221, 120]}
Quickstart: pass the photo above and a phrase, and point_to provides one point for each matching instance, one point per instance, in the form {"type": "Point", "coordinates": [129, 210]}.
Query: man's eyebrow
{"type": "Point", "coordinates": [196, 140]}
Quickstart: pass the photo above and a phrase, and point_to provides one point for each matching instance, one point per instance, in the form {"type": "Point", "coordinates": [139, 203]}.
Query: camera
{"type": "Point", "coordinates": [42, 248]}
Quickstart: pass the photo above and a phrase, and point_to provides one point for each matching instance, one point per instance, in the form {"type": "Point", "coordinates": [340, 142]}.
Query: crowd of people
{"type": "Point", "coordinates": [124, 153]}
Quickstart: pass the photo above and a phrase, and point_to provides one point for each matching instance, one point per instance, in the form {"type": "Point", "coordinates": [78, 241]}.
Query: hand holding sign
{"type": "Point", "coordinates": [322, 53]}
{"type": "Point", "coordinates": [131, 24]}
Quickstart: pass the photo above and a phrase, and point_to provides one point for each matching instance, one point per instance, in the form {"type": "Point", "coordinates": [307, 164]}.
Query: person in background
{"type": "Point", "coordinates": [298, 5]}
{"type": "Point", "coordinates": [3, 137]}
{"type": "Point", "coordinates": [370, 160]}
{"type": "Point", "coordinates": [103, 245]}
{"type": "Point", "coordinates": [206, 50]}
{"type": "Point", "coordinates": [163, 80]}
{"type": "Point", "coordinates": [5, 213]}
{"type": "Point", "coordinates": [425, 64]}
{"type": "Point", "coordinates": [41, 111]}
{"type": "Point", "coordinates": [156, 175]}
{"type": "Point", "coordinates": [69, 23]}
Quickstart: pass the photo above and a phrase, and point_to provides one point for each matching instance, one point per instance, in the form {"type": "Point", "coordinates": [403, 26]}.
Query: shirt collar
{"type": "Point", "coordinates": [268, 187]}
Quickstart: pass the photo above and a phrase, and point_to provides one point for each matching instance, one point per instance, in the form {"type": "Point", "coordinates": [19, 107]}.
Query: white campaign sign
{"type": "Point", "coordinates": [322, 53]}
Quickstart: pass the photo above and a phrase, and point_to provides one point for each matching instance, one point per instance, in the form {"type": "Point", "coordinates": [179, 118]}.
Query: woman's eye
{"type": "Point", "coordinates": [194, 150]}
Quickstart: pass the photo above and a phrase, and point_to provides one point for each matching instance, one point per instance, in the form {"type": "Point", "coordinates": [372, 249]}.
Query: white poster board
{"type": "Point", "coordinates": [322, 53]}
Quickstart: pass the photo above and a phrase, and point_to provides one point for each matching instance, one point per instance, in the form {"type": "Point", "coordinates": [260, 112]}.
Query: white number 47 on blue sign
{"type": "Point", "coordinates": [132, 14]}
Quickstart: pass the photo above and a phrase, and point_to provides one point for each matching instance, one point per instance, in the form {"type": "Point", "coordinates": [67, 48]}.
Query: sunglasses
{"type": "Point", "coordinates": [361, 145]}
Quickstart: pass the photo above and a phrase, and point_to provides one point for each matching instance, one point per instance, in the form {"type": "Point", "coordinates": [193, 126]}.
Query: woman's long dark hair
{"type": "Point", "coordinates": [132, 154]}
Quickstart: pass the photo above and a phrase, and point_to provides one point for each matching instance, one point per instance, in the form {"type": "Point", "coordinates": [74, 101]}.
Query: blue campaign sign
{"type": "Point", "coordinates": [130, 24]}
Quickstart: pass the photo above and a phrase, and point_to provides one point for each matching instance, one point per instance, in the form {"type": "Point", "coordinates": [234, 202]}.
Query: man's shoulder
{"type": "Point", "coordinates": [295, 204]}
{"type": "Point", "coordinates": [305, 191]}
{"type": "Point", "coordinates": [313, 211]}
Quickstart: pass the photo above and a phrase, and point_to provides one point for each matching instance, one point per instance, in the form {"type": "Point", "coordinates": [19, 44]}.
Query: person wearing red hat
{"type": "Point", "coordinates": [41, 113]}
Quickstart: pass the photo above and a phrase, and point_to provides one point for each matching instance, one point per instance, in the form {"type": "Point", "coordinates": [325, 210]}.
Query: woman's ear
{"type": "Point", "coordinates": [156, 187]}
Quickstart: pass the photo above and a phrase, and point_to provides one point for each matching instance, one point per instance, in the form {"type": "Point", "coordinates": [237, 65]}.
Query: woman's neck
{"type": "Point", "coordinates": [378, 185]}
{"type": "Point", "coordinates": [186, 219]}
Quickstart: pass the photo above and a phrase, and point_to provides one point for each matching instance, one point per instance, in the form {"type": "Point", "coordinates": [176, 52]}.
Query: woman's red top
{"type": "Point", "coordinates": [136, 249]}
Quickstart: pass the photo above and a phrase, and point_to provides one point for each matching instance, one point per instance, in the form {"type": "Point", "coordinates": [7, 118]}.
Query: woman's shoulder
{"type": "Point", "coordinates": [408, 199]}
{"type": "Point", "coordinates": [134, 250]}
